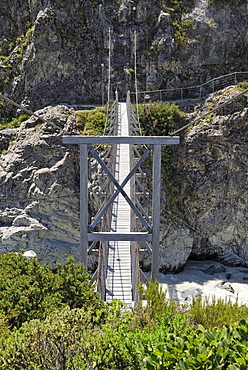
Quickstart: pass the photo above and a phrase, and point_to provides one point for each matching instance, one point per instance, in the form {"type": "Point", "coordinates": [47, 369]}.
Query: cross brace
{"type": "Point", "coordinates": [119, 189]}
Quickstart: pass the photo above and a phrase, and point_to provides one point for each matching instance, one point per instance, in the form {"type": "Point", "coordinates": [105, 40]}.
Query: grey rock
{"type": "Point", "coordinates": [190, 294]}
{"type": "Point", "coordinates": [39, 194]}
{"type": "Point", "coordinates": [29, 254]}
{"type": "Point", "coordinates": [213, 161]}
{"type": "Point", "coordinates": [218, 269]}
{"type": "Point", "coordinates": [175, 248]}
{"type": "Point", "coordinates": [214, 269]}
{"type": "Point", "coordinates": [226, 286]}
{"type": "Point", "coordinates": [209, 270]}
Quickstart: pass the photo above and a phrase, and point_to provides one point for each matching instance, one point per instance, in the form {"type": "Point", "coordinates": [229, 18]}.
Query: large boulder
{"type": "Point", "coordinates": [39, 192]}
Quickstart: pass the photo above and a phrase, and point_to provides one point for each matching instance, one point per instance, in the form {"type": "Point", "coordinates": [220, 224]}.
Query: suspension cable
{"type": "Point", "coordinates": [135, 76]}
{"type": "Point", "coordinates": [206, 114]}
{"type": "Point", "coordinates": [20, 106]}
{"type": "Point", "coordinates": [109, 71]}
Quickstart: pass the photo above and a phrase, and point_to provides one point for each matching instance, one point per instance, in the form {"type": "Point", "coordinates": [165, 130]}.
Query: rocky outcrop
{"type": "Point", "coordinates": [53, 52]}
{"type": "Point", "coordinates": [212, 164]}
{"type": "Point", "coordinates": [39, 193]}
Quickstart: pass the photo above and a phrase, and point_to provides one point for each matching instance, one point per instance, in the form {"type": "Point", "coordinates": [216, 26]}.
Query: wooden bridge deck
{"type": "Point", "coordinates": [118, 284]}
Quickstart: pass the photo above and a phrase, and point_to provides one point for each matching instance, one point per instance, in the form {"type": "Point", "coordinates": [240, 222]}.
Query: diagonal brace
{"type": "Point", "coordinates": [119, 189]}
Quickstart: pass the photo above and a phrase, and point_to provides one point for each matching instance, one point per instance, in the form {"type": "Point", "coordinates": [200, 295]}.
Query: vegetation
{"type": "Point", "coordinates": [13, 122]}
{"type": "Point", "coordinates": [29, 290]}
{"type": "Point", "coordinates": [82, 332]}
{"type": "Point", "coordinates": [243, 86]}
{"type": "Point", "coordinates": [216, 313]}
{"type": "Point", "coordinates": [91, 122]}
{"type": "Point", "coordinates": [68, 326]}
{"type": "Point", "coordinates": [159, 119]}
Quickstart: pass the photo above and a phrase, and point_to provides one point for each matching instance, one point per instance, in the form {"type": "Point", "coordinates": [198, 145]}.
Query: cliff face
{"type": "Point", "coordinates": [39, 190]}
{"type": "Point", "coordinates": [58, 51]}
{"type": "Point", "coordinates": [214, 183]}
{"type": "Point", "coordinates": [212, 167]}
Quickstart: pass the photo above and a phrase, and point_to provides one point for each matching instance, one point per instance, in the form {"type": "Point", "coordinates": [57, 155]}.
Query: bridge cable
{"type": "Point", "coordinates": [109, 72]}
{"type": "Point", "coordinates": [206, 114]}
{"type": "Point", "coordinates": [20, 106]}
{"type": "Point", "coordinates": [135, 77]}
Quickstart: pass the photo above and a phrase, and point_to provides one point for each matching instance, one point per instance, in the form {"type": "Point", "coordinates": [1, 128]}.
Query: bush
{"type": "Point", "coordinates": [29, 290]}
{"type": "Point", "coordinates": [158, 119]}
{"type": "Point", "coordinates": [91, 122]}
{"type": "Point", "coordinates": [107, 337]}
{"type": "Point", "coordinates": [217, 313]}
{"type": "Point", "coordinates": [203, 349]}
{"type": "Point", "coordinates": [14, 122]}
{"type": "Point", "coordinates": [157, 309]}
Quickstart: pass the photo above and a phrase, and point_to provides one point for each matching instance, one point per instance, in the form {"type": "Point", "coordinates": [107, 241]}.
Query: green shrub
{"type": "Point", "coordinates": [29, 290]}
{"type": "Point", "coordinates": [13, 122]}
{"type": "Point", "coordinates": [217, 313]}
{"type": "Point", "coordinates": [158, 119]}
{"type": "Point", "coordinates": [157, 307]}
{"type": "Point", "coordinates": [110, 338]}
{"type": "Point", "coordinates": [203, 349]}
{"type": "Point", "coordinates": [91, 122]}
{"type": "Point", "coordinates": [72, 339]}
{"type": "Point", "coordinates": [4, 329]}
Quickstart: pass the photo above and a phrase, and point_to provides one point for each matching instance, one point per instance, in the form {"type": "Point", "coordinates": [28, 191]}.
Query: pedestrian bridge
{"type": "Point", "coordinates": [124, 223]}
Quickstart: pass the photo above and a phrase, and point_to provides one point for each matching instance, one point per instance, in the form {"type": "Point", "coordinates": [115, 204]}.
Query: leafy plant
{"type": "Point", "coordinates": [29, 290]}
{"type": "Point", "coordinates": [202, 349]}
{"type": "Point", "coordinates": [157, 308]}
{"type": "Point", "coordinates": [91, 122]}
{"type": "Point", "coordinates": [159, 118]}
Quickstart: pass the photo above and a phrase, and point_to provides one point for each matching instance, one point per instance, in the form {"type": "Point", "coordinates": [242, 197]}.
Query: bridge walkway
{"type": "Point", "coordinates": [118, 282]}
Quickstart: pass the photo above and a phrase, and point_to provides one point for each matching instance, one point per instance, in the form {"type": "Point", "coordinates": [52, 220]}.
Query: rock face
{"type": "Point", "coordinates": [39, 191]}
{"type": "Point", "coordinates": [215, 184]}
{"type": "Point", "coordinates": [212, 163]}
{"type": "Point", "coordinates": [54, 52]}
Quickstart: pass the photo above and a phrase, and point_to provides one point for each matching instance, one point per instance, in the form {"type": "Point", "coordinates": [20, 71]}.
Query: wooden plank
{"type": "Point", "coordinates": [119, 236]}
{"type": "Point", "coordinates": [156, 210]}
{"type": "Point", "coordinates": [83, 204]}
{"type": "Point", "coordinates": [152, 140]}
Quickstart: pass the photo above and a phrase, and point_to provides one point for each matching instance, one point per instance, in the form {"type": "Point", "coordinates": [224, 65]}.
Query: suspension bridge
{"type": "Point", "coordinates": [128, 219]}
{"type": "Point", "coordinates": [122, 225]}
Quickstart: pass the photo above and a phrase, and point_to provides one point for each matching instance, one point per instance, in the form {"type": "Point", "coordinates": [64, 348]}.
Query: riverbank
{"type": "Point", "coordinates": [207, 279]}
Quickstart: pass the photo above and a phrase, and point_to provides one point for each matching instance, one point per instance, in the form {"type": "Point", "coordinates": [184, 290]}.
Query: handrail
{"type": "Point", "coordinates": [195, 91]}
{"type": "Point", "coordinates": [109, 157]}
{"type": "Point", "coordinates": [133, 122]}
{"type": "Point", "coordinates": [134, 130]}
